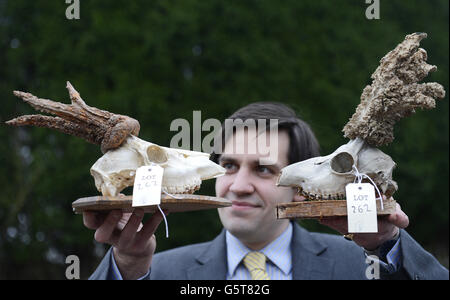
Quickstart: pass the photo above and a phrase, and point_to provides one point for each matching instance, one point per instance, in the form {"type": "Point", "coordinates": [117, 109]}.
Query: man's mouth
{"type": "Point", "coordinates": [243, 205]}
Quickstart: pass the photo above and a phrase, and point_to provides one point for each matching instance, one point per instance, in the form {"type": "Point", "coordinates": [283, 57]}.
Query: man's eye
{"type": "Point", "coordinates": [229, 167]}
{"type": "Point", "coordinates": [264, 170]}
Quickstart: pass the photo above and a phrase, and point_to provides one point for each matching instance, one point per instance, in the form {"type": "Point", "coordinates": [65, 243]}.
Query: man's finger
{"type": "Point", "coordinates": [130, 229]}
{"type": "Point", "coordinates": [104, 232]}
{"type": "Point", "coordinates": [149, 227]}
{"type": "Point", "coordinates": [123, 221]}
{"type": "Point", "coordinates": [399, 218]}
{"type": "Point", "coordinates": [92, 219]}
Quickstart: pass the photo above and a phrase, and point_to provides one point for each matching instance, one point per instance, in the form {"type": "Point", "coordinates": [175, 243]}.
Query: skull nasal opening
{"type": "Point", "coordinates": [156, 154]}
{"type": "Point", "coordinates": [342, 162]}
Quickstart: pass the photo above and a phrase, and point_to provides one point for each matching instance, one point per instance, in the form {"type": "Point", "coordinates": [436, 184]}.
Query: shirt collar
{"type": "Point", "coordinates": [278, 251]}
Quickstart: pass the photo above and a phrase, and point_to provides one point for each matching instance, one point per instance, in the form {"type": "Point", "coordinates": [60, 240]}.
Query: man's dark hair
{"type": "Point", "coordinates": [302, 141]}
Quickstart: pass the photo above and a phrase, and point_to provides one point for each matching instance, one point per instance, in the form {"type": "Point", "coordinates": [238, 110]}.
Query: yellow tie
{"type": "Point", "coordinates": [255, 262]}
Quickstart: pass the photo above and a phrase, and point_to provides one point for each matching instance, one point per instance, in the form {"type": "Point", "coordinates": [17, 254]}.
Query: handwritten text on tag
{"type": "Point", "coordinates": [147, 185]}
{"type": "Point", "coordinates": [361, 208]}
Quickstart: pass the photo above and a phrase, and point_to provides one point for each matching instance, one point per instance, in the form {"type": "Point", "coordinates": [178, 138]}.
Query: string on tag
{"type": "Point", "coordinates": [359, 177]}
{"type": "Point", "coordinates": [164, 216]}
{"type": "Point", "coordinates": [165, 221]}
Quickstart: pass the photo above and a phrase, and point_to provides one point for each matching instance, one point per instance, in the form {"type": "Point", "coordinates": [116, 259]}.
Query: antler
{"type": "Point", "coordinates": [394, 93]}
{"type": "Point", "coordinates": [92, 124]}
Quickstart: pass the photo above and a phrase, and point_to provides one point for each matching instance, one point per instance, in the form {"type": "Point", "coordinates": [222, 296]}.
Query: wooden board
{"type": "Point", "coordinates": [324, 208]}
{"type": "Point", "coordinates": [187, 202]}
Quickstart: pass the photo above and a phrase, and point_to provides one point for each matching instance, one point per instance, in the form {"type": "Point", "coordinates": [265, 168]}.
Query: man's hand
{"type": "Point", "coordinates": [388, 228]}
{"type": "Point", "coordinates": [134, 244]}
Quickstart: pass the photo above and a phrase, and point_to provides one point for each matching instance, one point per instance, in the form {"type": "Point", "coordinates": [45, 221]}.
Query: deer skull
{"type": "Point", "coordinates": [183, 170]}
{"type": "Point", "coordinates": [325, 177]}
{"type": "Point", "coordinates": [124, 152]}
{"type": "Point", "coordinates": [395, 93]}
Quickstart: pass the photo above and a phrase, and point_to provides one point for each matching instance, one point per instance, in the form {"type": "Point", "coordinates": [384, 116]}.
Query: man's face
{"type": "Point", "coordinates": [251, 187]}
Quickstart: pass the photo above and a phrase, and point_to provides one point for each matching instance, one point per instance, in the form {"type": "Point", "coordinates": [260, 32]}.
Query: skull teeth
{"type": "Point", "coordinates": [318, 196]}
{"type": "Point", "coordinates": [182, 189]}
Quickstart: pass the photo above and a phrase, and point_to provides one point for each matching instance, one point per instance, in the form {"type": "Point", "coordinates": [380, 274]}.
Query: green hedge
{"type": "Point", "coordinates": [160, 60]}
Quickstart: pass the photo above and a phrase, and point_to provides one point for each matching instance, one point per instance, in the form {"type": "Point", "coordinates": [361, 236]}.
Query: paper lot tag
{"type": "Point", "coordinates": [147, 185]}
{"type": "Point", "coordinates": [361, 208]}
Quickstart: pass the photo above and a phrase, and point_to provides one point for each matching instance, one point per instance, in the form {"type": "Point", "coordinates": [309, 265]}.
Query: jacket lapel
{"type": "Point", "coordinates": [307, 259]}
{"type": "Point", "coordinates": [307, 262]}
{"type": "Point", "coordinates": [211, 262]}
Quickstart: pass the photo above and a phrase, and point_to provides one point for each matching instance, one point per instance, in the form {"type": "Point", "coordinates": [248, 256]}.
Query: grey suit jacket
{"type": "Point", "coordinates": [314, 256]}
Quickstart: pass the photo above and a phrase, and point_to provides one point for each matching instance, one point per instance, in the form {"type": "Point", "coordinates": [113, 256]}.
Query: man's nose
{"type": "Point", "coordinates": [242, 183]}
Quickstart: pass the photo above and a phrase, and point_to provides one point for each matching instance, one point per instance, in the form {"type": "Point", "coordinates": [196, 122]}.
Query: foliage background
{"type": "Point", "coordinates": [160, 60]}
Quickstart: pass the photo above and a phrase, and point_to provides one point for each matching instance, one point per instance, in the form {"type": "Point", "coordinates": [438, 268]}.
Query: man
{"type": "Point", "coordinates": [254, 243]}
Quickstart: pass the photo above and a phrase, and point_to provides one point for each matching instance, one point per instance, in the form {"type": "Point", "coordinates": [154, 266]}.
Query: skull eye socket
{"type": "Point", "coordinates": [156, 154]}
{"type": "Point", "coordinates": [342, 162]}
